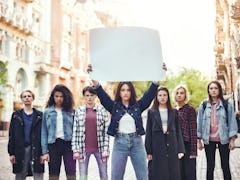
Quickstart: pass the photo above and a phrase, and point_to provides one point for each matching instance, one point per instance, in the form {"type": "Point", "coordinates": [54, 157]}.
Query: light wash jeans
{"type": "Point", "coordinates": [102, 166]}
{"type": "Point", "coordinates": [129, 145]}
{"type": "Point", "coordinates": [27, 160]}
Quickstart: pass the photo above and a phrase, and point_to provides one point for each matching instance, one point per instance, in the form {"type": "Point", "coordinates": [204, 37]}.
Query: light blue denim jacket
{"type": "Point", "coordinates": [48, 135]}
{"type": "Point", "coordinates": [227, 128]}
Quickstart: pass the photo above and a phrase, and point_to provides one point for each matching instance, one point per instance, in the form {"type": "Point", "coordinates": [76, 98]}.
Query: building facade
{"type": "Point", "coordinates": [227, 48]}
{"type": "Point", "coordinates": [44, 43]}
{"type": "Point", "coordinates": [23, 44]}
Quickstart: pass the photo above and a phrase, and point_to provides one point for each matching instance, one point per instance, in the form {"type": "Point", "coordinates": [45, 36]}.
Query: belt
{"type": "Point", "coordinates": [127, 134]}
{"type": "Point", "coordinates": [27, 144]}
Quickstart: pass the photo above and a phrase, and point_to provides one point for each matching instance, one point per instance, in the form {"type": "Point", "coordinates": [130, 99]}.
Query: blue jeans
{"type": "Point", "coordinates": [129, 145]}
{"type": "Point", "coordinates": [102, 166]}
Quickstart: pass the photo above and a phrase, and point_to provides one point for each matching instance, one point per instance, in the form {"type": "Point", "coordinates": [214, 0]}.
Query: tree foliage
{"type": "Point", "coordinates": [3, 75]}
{"type": "Point", "coordinates": [140, 87]}
{"type": "Point", "coordinates": [195, 81]}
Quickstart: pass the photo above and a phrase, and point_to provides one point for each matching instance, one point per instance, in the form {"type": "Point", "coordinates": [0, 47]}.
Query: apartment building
{"type": "Point", "coordinates": [43, 43]}
{"type": "Point", "coordinates": [227, 48]}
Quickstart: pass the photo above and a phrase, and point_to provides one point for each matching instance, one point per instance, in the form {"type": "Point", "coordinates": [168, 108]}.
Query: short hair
{"type": "Point", "coordinates": [184, 87]}
{"type": "Point", "coordinates": [89, 89]}
{"type": "Point", "coordinates": [29, 91]}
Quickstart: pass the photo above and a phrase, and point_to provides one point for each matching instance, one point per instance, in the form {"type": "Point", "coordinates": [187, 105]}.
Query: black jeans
{"type": "Point", "coordinates": [224, 151]}
{"type": "Point", "coordinates": [58, 150]}
{"type": "Point", "coordinates": [187, 165]}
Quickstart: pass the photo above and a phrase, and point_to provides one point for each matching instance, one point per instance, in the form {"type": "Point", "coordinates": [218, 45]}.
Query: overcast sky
{"type": "Point", "coordinates": [186, 27]}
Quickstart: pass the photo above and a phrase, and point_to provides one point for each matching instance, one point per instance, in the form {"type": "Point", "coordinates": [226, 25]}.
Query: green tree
{"type": "Point", "coordinates": [3, 75]}
{"type": "Point", "coordinates": [140, 87]}
{"type": "Point", "coordinates": [195, 81]}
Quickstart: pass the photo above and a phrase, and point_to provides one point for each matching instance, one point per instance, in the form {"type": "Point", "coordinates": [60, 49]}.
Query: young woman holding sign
{"type": "Point", "coordinates": [127, 126]}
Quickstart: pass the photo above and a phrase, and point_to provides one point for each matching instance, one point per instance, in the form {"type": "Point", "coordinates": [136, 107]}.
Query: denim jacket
{"type": "Point", "coordinates": [227, 129]}
{"type": "Point", "coordinates": [48, 135]}
{"type": "Point", "coordinates": [117, 109]}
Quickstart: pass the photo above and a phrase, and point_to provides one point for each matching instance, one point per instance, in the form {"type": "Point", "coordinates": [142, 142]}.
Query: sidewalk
{"type": "Point", "coordinates": [6, 169]}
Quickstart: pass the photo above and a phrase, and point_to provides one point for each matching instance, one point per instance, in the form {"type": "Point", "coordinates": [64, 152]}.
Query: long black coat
{"type": "Point", "coordinates": [16, 141]}
{"type": "Point", "coordinates": [164, 148]}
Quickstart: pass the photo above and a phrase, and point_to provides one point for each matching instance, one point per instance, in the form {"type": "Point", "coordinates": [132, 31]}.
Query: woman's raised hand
{"type": "Point", "coordinates": [164, 67]}
{"type": "Point", "coordinates": [89, 70]}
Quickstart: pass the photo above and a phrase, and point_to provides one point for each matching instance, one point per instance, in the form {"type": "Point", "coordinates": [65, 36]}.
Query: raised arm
{"type": "Point", "coordinates": [105, 99]}
{"type": "Point", "coordinates": [148, 96]}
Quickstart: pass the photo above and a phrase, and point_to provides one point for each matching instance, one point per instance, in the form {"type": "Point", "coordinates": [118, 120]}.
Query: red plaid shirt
{"type": "Point", "coordinates": [188, 122]}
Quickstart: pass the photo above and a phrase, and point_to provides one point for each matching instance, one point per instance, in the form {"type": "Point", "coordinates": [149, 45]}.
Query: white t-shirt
{"type": "Point", "coordinates": [164, 118]}
{"type": "Point", "coordinates": [127, 124]}
{"type": "Point", "coordinates": [59, 124]}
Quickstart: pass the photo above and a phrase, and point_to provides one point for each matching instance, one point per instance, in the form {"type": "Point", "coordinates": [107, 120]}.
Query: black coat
{"type": "Point", "coordinates": [16, 141]}
{"type": "Point", "coordinates": [164, 148]}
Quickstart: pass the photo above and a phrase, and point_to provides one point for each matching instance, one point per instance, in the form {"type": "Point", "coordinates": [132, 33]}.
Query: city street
{"type": "Point", "coordinates": [6, 169]}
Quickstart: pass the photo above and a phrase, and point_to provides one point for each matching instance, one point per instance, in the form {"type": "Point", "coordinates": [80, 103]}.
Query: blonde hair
{"type": "Point", "coordinates": [29, 91]}
{"type": "Point", "coordinates": [181, 86]}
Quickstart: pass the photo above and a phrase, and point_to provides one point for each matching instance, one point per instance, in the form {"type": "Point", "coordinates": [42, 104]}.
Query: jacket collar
{"type": "Point", "coordinates": [157, 116]}
{"type": "Point", "coordinates": [36, 116]}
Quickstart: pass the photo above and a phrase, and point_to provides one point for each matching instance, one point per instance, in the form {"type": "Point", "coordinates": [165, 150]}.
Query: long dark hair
{"type": "Point", "coordinates": [68, 102]}
{"type": "Point", "coordinates": [133, 96]}
{"type": "Point", "coordinates": [220, 95]}
{"type": "Point", "coordinates": [156, 103]}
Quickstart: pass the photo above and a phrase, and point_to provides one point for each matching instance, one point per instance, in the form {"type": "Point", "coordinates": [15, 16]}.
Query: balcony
{"type": "Point", "coordinates": [237, 62]}
{"type": "Point", "coordinates": [14, 18]}
{"type": "Point", "coordinates": [220, 75]}
{"type": "Point", "coordinates": [219, 49]}
{"type": "Point", "coordinates": [220, 36]}
{"type": "Point", "coordinates": [44, 68]}
{"type": "Point", "coordinates": [5, 12]}
{"type": "Point", "coordinates": [221, 65]}
{"type": "Point", "coordinates": [235, 11]}
{"type": "Point", "coordinates": [28, 1]}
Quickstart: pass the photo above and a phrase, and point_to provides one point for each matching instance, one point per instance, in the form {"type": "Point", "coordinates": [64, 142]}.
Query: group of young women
{"type": "Point", "coordinates": [172, 134]}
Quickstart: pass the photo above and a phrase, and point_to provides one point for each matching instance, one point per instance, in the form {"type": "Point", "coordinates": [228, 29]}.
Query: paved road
{"type": "Point", "coordinates": [5, 166]}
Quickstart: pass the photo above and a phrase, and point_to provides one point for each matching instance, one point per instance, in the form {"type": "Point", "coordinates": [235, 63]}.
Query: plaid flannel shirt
{"type": "Point", "coordinates": [187, 120]}
{"type": "Point", "coordinates": [78, 139]}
